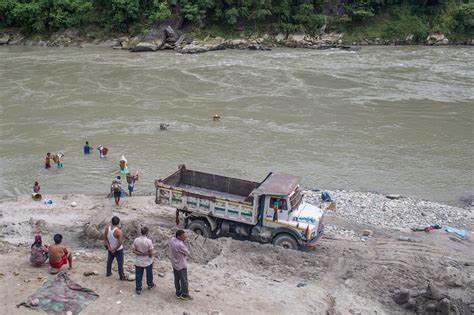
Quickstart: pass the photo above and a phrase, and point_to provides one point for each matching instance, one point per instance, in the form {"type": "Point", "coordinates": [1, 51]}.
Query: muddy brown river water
{"type": "Point", "coordinates": [386, 119]}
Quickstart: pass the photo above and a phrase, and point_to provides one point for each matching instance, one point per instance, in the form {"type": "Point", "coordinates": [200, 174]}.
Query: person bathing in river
{"type": "Point", "coordinates": [131, 184]}
{"type": "Point", "coordinates": [87, 148]}
{"type": "Point", "coordinates": [36, 189]}
{"type": "Point", "coordinates": [101, 151]}
{"type": "Point", "coordinates": [39, 252]}
{"type": "Point", "coordinates": [58, 255]}
{"type": "Point", "coordinates": [116, 190]}
{"type": "Point", "coordinates": [47, 163]}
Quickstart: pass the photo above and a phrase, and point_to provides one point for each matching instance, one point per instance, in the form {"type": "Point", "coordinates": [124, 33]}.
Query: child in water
{"type": "Point", "coordinates": [60, 164]}
{"type": "Point", "coordinates": [101, 151]}
{"type": "Point", "coordinates": [47, 163]}
{"type": "Point", "coordinates": [36, 189]}
{"type": "Point", "coordinates": [131, 185]}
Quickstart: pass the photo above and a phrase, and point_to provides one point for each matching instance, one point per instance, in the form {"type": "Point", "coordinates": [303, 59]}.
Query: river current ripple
{"type": "Point", "coordinates": [385, 119]}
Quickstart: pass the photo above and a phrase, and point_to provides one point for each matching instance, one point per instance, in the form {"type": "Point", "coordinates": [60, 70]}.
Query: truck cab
{"type": "Point", "coordinates": [293, 223]}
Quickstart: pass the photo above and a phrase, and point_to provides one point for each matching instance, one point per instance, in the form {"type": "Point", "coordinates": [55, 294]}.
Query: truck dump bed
{"type": "Point", "coordinates": [211, 185]}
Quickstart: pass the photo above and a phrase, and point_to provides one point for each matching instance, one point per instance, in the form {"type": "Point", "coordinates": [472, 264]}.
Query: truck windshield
{"type": "Point", "coordinates": [295, 198]}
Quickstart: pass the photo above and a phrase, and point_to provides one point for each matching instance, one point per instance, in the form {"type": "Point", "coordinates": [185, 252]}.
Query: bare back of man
{"type": "Point", "coordinates": [59, 256]}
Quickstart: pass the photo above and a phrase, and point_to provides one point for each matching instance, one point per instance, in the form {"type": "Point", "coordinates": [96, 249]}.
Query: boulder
{"type": "Point", "coordinates": [109, 43]}
{"type": "Point", "coordinates": [59, 41]}
{"type": "Point", "coordinates": [180, 40]}
{"type": "Point", "coordinates": [193, 49]}
{"type": "Point", "coordinates": [171, 35]}
{"type": "Point", "coordinates": [433, 293]}
{"type": "Point", "coordinates": [297, 38]}
{"type": "Point", "coordinates": [16, 39]}
{"type": "Point", "coordinates": [444, 306]}
{"type": "Point", "coordinates": [280, 37]}
{"type": "Point", "coordinates": [411, 305]}
{"type": "Point", "coordinates": [145, 47]}
{"type": "Point", "coordinates": [4, 39]}
{"type": "Point", "coordinates": [401, 297]}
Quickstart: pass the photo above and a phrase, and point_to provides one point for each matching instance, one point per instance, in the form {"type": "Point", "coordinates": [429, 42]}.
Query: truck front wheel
{"type": "Point", "coordinates": [200, 227]}
{"type": "Point", "coordinates": [286, 241]}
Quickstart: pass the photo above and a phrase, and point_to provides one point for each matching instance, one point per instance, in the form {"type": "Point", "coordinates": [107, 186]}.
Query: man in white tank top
{"type": "Point", "coordinates": [113, 239]}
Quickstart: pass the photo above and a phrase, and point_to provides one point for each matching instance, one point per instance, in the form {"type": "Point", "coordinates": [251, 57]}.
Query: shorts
{"type": "Point", "coordinates": [130, 188]}
{"type": "Point", "coordinates": [59, 264]}
{"type": "Point", "coordinates": [117, 194]}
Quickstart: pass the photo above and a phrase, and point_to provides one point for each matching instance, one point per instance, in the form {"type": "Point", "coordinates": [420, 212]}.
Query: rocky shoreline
{"type": "Point", "coordinates": [164, 37]}
{"type": "Point", "coordinates": [393, 211]}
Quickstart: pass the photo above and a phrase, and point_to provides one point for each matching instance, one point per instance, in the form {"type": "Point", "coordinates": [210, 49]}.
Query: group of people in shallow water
{"type": "Point", "coordinates": [116, 189]}
{"type": "Point", "coordinates": [142, 247]}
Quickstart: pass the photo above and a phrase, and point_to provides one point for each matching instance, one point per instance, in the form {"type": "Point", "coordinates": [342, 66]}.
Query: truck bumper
{"type": "Point", "coordinates": [312, 243]}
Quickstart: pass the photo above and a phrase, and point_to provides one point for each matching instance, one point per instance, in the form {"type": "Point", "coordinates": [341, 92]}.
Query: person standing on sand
{"type": "Point", "coordinates": [179, 255]}
{"type": "Point", "coordinates": [143, 249]}
{"type": "Point", "coordinates": [58, 255]}
{"type": "Point", "coordinates": [113, 239]}
{"type": "Point", "coordinates": [47, 163]}
{"type": "Point", "coordinates": [116, 190]}
{"type": "Point", "coordinates": [131, 185]}
{"type": "Point", "coordinates": [87, 148]}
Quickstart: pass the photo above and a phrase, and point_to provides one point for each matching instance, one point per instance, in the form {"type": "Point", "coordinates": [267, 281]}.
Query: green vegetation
{"type": "Point", "coordinates": [389, 20]}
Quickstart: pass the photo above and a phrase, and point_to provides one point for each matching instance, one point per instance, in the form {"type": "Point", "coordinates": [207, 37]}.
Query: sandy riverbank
{"type": "Point", "coordinates": [348, 274]}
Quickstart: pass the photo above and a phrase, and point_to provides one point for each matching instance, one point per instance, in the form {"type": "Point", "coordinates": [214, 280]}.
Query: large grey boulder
{"type": "Point", "coordinates": [171, 35]}
{"type": "Point", "coordinates": [4, 38]}
{"type": "Point", "coordinates": [145, 47]}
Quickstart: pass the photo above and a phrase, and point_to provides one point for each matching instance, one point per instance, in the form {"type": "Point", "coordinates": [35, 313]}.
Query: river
{"type": "Point", "coordinates": [384, 119]}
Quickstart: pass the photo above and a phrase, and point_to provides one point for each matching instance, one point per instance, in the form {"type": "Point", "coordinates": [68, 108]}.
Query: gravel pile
{"type": "Point", "coordinates": [392, 211]}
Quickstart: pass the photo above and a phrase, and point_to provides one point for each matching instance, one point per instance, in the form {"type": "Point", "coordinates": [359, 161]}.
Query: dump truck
{"type": "Point", "coordinates": [272, 211]}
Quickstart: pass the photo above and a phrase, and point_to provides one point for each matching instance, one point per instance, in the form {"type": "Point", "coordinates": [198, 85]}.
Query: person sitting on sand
{"type": "Point", "coordinates": [39, 252]}
{"type": "Point", "coordinates": [58, 255]}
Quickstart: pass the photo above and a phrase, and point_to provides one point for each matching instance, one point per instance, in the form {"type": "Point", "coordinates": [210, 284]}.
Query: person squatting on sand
{"type": "Point", "coordinates": [179, 255]}
{"type": "Point", "coordinates": [58, 255]}
{"type": "Point", "coordinates": [113, 240]}
{"type": "Point", "coordinates": [143, 249]}
{"type": "Point", "coordinates": [39, 252]}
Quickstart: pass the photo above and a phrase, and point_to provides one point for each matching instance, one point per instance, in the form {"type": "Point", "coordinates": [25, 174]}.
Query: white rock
{"type": "Point", "coordinates": [73, 204]}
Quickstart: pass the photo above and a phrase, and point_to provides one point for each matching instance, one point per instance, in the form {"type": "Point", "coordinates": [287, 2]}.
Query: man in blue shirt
{"type": "Point", "coordinates": [87, 148]}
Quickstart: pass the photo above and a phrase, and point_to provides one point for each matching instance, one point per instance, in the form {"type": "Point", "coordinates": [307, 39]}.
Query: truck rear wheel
{"type": "Point", "coordinates": [200, 227]}
{"type": "Point", "coordinates": [286, 241]}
